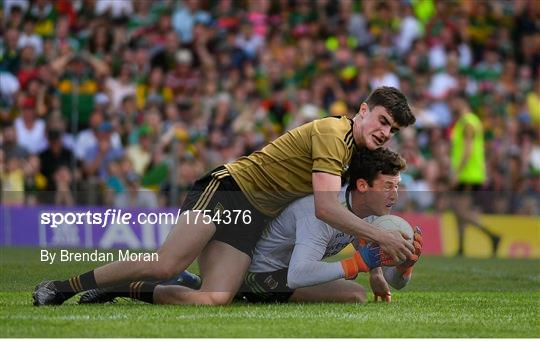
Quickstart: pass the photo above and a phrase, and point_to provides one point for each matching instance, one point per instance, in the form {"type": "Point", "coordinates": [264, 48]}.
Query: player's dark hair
{"type": "Point", "coordinates": [367, 164]}
{"type": "Point", "coordinates": [395, 102]}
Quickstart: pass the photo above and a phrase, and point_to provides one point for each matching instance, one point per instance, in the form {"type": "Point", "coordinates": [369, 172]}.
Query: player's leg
{"type": "Point", "coordinates": [266, 287]}
{"type": "Point", "coordinates": [222, 269]}
{"type": "Point", "coordinates": [180, 249]}
{"type": "Point", "coordinates": [225, 260]}
{"type": "Point", "coordinates": [459, 202]}
{"type": "Point", "coordinates": [467, 213]}
{"type": "Point", "coordinates": [182, 246]}
{"type": "Point", "coordinates": [107, 295]}
{"type": "Point", "coordinates": [341, 290]}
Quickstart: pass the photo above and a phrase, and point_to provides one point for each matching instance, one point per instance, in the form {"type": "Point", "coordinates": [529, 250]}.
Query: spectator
{"type": "Point", "coordinates": [410, 30]}
{"type": "Point", "coordinates": [140, 153]}
{"type": "Point", "coordinates": [44, 14]}
{"type": "Point", "coordinates": [10, 146]}
{"type": "Point", "coordinates": [116, 9]}
{"type": "Point", "coordinates": [382, 76]}
{"type": "Point", "coordinates": [185, 17]}
{"type": "Point", "coordinates": [9, 86]}
{"type": "Point", "coordinates": [88, 139]}
{"type": "Point", "coordinates": [12, 181]}
{"type": "Point", "coordinates": [29, 38]}
{"type": "Point", "coordinates": [248, 41]}
{"type": "Point", "coordinates": [30, 130]}
{"type": "Point", "coordinates": [62, 182]}
{"type": "Point", "coordinates": [135, 195]}
{"type": "Point", "coordinates": [97, 158]}
{"type": "Point", "coordinates": [120, 87]}
{"type": "Point", "coordinates": [9, 56]}
{"type": "Point", "coordinates": [78, 85]}
{"type": "Point", "coordinates": [154, 89]}
{"type": "Point", "coordinates": [18, 5]}
{"type": "Point", "coordinates": [54, 157]}
{"type": "Point", "coordinates": [35, 183]}
{"type": "Point", "coordinates": [183, 80]}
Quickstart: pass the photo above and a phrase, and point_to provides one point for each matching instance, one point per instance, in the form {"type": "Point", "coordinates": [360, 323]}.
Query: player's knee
{"type": "Point", "coordinates": [218, 298]}
{"type": "Point", "coordinates": [163, 271]}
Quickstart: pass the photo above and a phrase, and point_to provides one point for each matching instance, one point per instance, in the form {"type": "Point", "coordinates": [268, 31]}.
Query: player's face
{"type": "Point", "coordinates": [374, 127]}
{"type": "Point", "coordinates": [383, 194]}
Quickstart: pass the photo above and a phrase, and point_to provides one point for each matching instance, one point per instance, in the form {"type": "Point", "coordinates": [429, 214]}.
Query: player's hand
{"type": "Point", "coordinates": [374, 257]}
{"type": "Point", "coordinates": [383, 297]}
{"type": "Point", "coordinates": [379, 286]}
{"type": "Point", "coordinates": [394, 245]}
{"type": "Point", "coordinates": [418, 244]}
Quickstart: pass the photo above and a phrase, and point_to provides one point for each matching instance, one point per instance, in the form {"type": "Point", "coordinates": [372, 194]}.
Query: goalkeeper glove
{"type": "Point", "coordinates": [406, 268]}
{"type": "Point", "coordinates": [418, 243]}
{"type": "Point", "coordinates": [368, 256]}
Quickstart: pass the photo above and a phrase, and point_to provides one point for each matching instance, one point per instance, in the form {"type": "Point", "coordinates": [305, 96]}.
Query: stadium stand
{"type": "Point", "coordinates": [100, 96]}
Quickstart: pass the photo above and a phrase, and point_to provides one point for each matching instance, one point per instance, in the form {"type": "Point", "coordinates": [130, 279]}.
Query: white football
{"type": "Point", "coordinates": [393, 222]}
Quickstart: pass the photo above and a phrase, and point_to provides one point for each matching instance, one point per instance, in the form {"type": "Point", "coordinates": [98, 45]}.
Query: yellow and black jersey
{"type": "Point", "coordinates": [281, 172]}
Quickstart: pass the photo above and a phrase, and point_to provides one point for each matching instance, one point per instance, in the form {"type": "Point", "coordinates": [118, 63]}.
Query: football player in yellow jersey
{"type": "Point", "coordinates": [227, 210]}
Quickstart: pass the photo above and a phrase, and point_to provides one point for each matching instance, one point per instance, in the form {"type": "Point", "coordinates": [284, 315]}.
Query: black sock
{"type": "Point", "coordinates": [76, 284]}
{"type": "Point", "coordinates": [142, 291]}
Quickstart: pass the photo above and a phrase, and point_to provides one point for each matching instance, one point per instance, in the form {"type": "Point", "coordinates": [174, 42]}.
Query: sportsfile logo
{"type": "Point", "coordinates": [108, 217]}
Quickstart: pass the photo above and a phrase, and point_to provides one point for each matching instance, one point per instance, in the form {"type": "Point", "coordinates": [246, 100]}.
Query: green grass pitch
{"type": "Point", "coordinates": [448, 297]}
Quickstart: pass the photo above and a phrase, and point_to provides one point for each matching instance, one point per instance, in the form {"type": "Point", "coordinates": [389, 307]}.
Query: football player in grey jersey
{"type": "Point", "coordinates": [288, 260]}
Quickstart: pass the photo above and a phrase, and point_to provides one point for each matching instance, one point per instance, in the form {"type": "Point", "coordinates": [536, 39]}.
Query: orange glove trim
{"type": "Point", "coordinates": [349, 267]}
{"type": "Point", "coordinates": [353, 265]}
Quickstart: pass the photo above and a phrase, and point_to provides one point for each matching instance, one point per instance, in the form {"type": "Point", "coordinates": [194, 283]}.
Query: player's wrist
{"type": "Point", "coordinates": [362, 265]}
{"type": "Point", "coordinates": [379, 236]}
{"type": "Point", "coordinates": [353, 265]}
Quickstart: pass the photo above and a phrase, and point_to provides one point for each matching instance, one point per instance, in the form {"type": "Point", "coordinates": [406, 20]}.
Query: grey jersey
{"type": "Point", "coordinates": [296, 240]}
{"type": "Point", "coordinates": [298, 225]}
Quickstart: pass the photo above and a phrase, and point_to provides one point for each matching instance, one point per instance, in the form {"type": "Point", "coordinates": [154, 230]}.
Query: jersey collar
{"type": "Point", "coordinates": [348, 198]}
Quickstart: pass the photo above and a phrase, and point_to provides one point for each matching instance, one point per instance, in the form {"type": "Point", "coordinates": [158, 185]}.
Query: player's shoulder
{"type": "Point", "coordinates": [333, 125]}
{"type": "Point", "coordinates": [340, 127]}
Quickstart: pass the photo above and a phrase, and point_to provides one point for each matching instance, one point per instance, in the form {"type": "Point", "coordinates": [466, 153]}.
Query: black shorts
{"type": "Point", "coordinates": [463, 187]}
{"type": "Point", "coordinates": [265, 287]}
{"type": "Point", "coordinates": [239, 224]}
{"type": "Point", "coordinates": [472, 191]}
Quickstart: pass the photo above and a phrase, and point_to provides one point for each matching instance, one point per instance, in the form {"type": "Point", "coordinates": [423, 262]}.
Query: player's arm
{"type": "Point", "coordinates": [379, 285]}
{"type": "Point", "coordinates": [326, 189]}
{"type": "Point", "coordinates": [305, 266]}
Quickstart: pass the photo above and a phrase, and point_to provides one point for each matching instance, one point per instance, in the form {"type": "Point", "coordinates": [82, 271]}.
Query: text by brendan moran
{"type": "Point", "coordinates": [97, 256]}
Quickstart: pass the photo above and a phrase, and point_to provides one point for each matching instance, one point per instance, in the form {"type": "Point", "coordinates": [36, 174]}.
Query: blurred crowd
{"type": "Point", "coordinates": [127, 102]}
